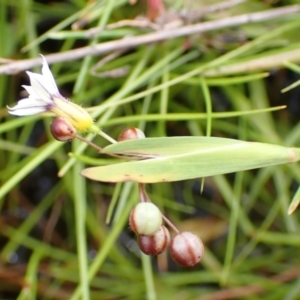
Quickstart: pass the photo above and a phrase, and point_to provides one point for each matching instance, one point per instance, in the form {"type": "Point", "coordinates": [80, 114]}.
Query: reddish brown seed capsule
{"type": "Point", "coordinates": [156, 243]}
{"type": "Point", "coordinates": [131, 133]}
{"type": "Point", "coordinates": [62, 130]}
{"type": "Point", "coordinates": [186, 249]}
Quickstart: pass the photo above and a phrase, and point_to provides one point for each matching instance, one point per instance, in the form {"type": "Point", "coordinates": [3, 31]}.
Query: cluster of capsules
{"type": "Point", "coordinates": [145, 219]}
{"type": "Point", "coordinates": [153, 238]}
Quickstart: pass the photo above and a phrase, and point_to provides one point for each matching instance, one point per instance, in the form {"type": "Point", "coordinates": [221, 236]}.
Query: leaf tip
{"type": "Point", "coordinates": [292, 207]}
{"type": "Point", "coordinates": [84, 172]}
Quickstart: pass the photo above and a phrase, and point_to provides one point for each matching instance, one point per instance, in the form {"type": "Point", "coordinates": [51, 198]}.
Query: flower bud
{"type": "Point", "coordinates": [156, 243]}
{"type": "Point", "coordinates": [75, 114]}
{"type": "Point", "coordinates": [131, 133]}
{"type": "Point", "coordinates": [62, 130]}
{"type": "Point", "coordinates": [145, 218]}
{"type": "Point", "coordinates": [186, 249]}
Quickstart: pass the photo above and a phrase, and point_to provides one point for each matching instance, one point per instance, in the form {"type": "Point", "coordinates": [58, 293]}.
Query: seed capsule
{"type": "Point", "coordinates": [186, 249]}
{"type": "Point", "coordinates": [145, 218]}
{"type": "Point", "coordinates": [156, 243]}
{"type": "Point", "coordinates": [131, 133]}
{"type": "Point", "coordinates": [62, 130]}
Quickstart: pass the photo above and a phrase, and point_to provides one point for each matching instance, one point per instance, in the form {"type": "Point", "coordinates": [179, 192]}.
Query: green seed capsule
{"type": "Point", "coordinates": [145, 218]}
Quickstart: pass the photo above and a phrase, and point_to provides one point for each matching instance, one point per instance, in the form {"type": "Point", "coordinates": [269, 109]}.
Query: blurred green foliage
{"type": "Point", "coordinates": [55, 243]}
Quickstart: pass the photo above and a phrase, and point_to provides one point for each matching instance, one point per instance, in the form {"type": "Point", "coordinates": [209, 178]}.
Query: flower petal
{"type": "Point", "coordinates": [40, 87]}
{"type": "Point", "coordinates": [30, 91]}
{"type": "Point", "coordinates": [26, 107]}
{"type": "Point", "coordinates": [27, 112]}
{"type": "Point", "coordinates": [52, 87]}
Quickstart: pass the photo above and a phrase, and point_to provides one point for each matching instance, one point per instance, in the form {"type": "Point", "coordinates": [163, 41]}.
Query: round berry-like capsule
{"type": "Point", "coordinates": [145, 218]}
{"type": "Point", "coordinates": [156, 243]}
{"type": "Point", "coordinates": [131, 133]}
{"type": "Point", "coordinates": [62, 130]}
{"type": "Point", "coordinates": [186, 249]}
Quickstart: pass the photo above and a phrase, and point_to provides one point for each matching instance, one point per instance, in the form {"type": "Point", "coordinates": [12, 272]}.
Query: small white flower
{"type": "Point", "coordinates": [44, 96]}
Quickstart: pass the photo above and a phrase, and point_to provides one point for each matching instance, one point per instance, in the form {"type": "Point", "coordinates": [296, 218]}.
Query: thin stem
{"type": "Point", "coordinates": [80, 229]}
{"type": "Point", "coordinates": [96, 130]}
{"type": "Point", "coordinates": [143, 194]}
{"type": "Point", "coordinates": [107, 137]}
{"type": "Point", "coordinates": [148, 275]}
{"type": "Point", "coordinates": [96, 146]}
{"type": "Point", "coordinates": [88, 142]}
{"type": "Point", "coordinates": [170, 224]}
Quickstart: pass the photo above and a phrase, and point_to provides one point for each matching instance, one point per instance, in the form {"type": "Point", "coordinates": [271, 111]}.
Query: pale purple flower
{"type": "Point", "coordinates": [44, 96]}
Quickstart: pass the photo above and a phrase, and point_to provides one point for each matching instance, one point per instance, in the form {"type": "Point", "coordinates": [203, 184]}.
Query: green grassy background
{"type": "Point", "coordinates": [56, 241]}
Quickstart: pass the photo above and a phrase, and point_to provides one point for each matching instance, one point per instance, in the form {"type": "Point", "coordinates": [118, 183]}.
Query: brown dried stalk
{"type": "Point", "coordinates": [161, 35]}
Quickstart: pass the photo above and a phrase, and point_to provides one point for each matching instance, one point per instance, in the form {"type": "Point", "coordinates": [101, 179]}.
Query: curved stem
{"type": "Point", "coordinates": [170, 224]}
{"type": "Point", "coordinates": [143, 194]}
{"type": "Point", "coordinates": [88, 142]}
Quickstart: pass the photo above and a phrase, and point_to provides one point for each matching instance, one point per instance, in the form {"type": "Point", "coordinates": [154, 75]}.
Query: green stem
{"type": "Point", "coordinates": [147, 268]}
{"type": "Point", "coordinates": [95, 129]}
{"type": "Point", "coordinates": [80, 216]}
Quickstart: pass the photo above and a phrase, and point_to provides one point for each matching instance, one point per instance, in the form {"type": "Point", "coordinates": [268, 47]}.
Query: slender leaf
{"type": "Point", "coordinates": [181, 158]}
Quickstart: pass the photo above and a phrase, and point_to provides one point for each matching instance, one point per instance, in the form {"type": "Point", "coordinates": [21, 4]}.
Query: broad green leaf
{"type": "Point", "coordinates": [181, 158]}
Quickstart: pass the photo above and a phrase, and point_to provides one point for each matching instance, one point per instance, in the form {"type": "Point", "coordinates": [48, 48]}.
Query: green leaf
{"type": "Point", "coordinates": [181, 158]}
{"type": "Point", "coordinates": [295, 202]}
